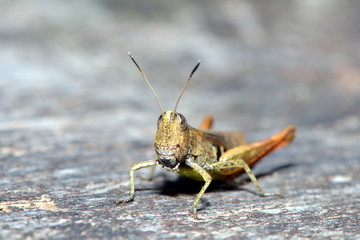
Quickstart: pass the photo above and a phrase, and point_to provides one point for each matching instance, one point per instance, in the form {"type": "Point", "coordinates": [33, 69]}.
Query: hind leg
{"type": "Point", "coordinates": [207, 122]}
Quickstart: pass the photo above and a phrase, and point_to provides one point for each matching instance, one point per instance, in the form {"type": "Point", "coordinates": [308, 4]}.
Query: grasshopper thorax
{"type": "Point", "coordinates": [171, 140]}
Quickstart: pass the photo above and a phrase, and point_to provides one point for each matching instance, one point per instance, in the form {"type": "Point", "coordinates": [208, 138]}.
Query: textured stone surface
{"type": "Point", "coordinates": [75, 114]}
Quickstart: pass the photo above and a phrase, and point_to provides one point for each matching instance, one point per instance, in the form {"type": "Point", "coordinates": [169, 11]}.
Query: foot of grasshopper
{"type": "Point", "coordinates": [207, 178]}
{"type": "Point", "coordinates": [255, 181]}
{"type": "Point", "coordinates": [135, 167]}
{"type": "Point", "coordinates": [203, 154]}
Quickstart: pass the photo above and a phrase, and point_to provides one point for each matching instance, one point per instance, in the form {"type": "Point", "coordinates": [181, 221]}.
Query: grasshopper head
{"type": "Point", "coordinates": [171, 140]}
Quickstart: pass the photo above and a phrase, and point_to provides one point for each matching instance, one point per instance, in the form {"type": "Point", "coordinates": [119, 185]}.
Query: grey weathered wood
{"type": "Point", "coordinates": [75, 114]}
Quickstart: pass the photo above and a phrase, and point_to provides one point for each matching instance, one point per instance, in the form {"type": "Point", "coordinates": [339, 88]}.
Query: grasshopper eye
{"type": "Point", "coordinates": [183, 123]}
{"type": "Point", "coordinates": [159, 119]}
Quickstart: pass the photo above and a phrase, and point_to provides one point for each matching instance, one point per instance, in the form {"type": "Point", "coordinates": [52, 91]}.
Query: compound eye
{"type": "Point", "coordinates": [160, 119]}
{"type": "Point", "coordinates": [183, 123]}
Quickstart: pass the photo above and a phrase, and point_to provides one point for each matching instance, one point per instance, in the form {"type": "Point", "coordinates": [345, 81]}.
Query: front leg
{"type": "Point", "coordinates": [207, 178]}
{"type": "Point", "coordinates": [135, 167]}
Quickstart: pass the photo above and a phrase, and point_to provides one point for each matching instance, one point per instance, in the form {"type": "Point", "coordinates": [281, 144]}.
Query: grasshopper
{"type": "Point", "coordinates": [203, 154]}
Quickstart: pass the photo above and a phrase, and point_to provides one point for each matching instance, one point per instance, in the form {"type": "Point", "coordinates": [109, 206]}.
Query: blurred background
{"type": "Point", "coordinates": [265, 64]}
{"type": "Point", "coordinates": [75, 113]}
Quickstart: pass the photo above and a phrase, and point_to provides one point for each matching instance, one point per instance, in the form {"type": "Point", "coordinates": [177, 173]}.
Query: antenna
{"type": "Point", "coordinates": [187, 83]}
{"type": "Point", "coordinates": [147, 81]}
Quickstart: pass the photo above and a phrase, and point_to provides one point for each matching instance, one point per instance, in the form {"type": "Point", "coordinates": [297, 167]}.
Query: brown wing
{"type": "Point", "coordinates": [226, 139]}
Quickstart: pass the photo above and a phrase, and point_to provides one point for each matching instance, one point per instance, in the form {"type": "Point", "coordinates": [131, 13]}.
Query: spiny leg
{"type": "Point", "coordinates": [230, 167]}
{"type": "Point", "coordinates": [207, 178]}
{"type": "Point", "coordinates": [256, 183]}
{"type": "Point", "coordinates": [135, 167]}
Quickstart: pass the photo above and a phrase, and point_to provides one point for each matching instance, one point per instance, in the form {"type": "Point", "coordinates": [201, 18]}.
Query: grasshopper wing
{"type": "Point", "coordinates": [226, 139]}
